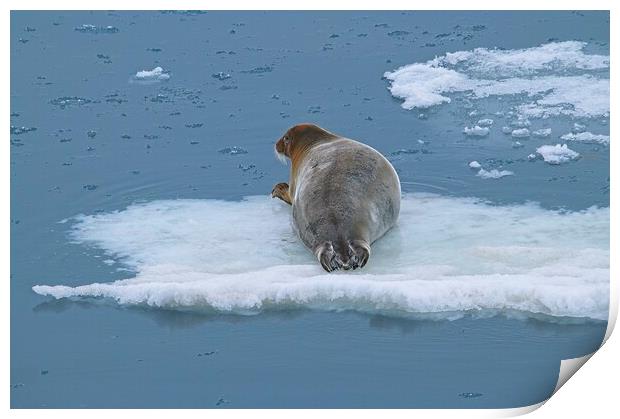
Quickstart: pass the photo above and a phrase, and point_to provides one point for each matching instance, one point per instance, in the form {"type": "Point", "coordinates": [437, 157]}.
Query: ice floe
{"type": "Point", "coordinates": [542, 133]}
{"type": "Point", "coordinates": [586, 137]}
{"type": "Point", "coordinates": [476, 131]}
{"type": "Point", "coordinates": [494, 173]}
{"type": "Point", "coordinates": [552, 79]}
{"type": "Point", "coordinates": [557, 154]}
{"type": "Point", "coordinates": [447, 256]}
{"type": "Point", "coordinates": [521, 133]}
{"type": "Point", "coordinates": [154, 75]}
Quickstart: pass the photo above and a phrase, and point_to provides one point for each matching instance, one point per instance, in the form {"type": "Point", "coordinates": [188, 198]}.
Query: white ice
{"type": "Point", "coordinates": [557, 154]}
{"type": "Point", "coordinates": [552, 77]}
{"type": "Point", "coordinates": [586, 137]}
{"type": "Point", "coordinates": [156, 74]}
{"type": "Point", "coordinates": [446, 257]}
{"type": "Point", "coordinates": [521, 133]}
{"type": "Point", "coordinates": [494, 173]}
{"type": "Point", "coordinates": [542, 133]}
{"type": "Point", "coordinates": [476, 131]}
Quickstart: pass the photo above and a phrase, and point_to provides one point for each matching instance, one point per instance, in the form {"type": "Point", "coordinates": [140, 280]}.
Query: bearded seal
{"type": "Point", "coordinates": [344, 194]}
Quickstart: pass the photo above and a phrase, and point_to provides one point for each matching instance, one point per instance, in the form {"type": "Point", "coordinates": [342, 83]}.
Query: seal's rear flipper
{"type": "Point", "coordinates": [361, 252]}
{"type": "Point", "coordinates": [327, 256]}
{"type": "Point", "coordinates": [349, 254]}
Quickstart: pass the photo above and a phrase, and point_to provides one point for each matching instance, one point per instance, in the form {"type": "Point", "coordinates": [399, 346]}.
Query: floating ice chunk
{"type": "Point", "coordinates": [557, 154]}
{"type": "Point", "coordinates": [184, 255]}
{"type": "Point", "coordinates": [586, 137]}
{"type": "Point", "coordinates": [517, 144]}
{"type": "Point", "coordinates": [542, 133]}
{"type": "Point", "coordinates": [21, 130]}
{"type": "Point", "coordinates": [476, 131]}
{"type": "Point", "coordinates": [156, 74]}
{"type": "Point", "coordinates": [69, 101]}
{"type": "Point", "coordinates": [494, 173]}
{"type": "Point", "coordinates": [474, 165]}
{"type": "Point", "coordinates": [521, 123]}
{"type": "Point", "coordinates": [539, 72]}
{"type": "Point", "coordinates": [521, 133]}
{"type": "Point", "coordinates": [507, 130]}
{"type": "Point", "coordinates": [221, 75]}
{"type": "Point", "coordinates": [96, 29]}
{"type": "Point", "coordinates": [577, 127]}
{"type": "Point", "coordinates": [487, 122]}
{"type": "Point", "coordinates": [234, 150]}
{"type": "Point", "coordinates": [532, 157]}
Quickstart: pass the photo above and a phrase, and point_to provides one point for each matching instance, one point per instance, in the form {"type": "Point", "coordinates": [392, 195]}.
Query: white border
{"type": "Point", "coordinates": [593, 393]}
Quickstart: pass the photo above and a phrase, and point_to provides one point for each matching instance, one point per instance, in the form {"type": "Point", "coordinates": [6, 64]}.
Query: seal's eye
{"type": "Point", "coordinates": [286, 139]}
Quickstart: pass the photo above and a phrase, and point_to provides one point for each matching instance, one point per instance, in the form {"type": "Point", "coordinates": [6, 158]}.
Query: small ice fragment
{"type": "Point", "coordinates": [470, 395]}
{"type": "Point", "coordinates": [507, 130]}
{"type": "Point", "coordinates": [221, 76]}
{"type": "Point", "coordinates": [473, 113]}
{"type": "Point", "coordinates": [531, 157]}
{"type": "Point", "coordinates": [577, 127]}
{"type": "Point", "coordinates": [474, 165]}
{"type": "Point", "coordinates": [494, 173]}
{"type": "Point", "coordinates": [234, 150]}
{"type": "Point", "coordinates": [259, 70]}
{"type": "Point", "coordinates": [91, 133]}
{"type": "Point", "coordinates": [156, 74]}
{"type": "Point", "coordinates": [21, 130]}
{"type": "Point", "coordinates": [517, 144]}
{"type": "Point", "coordinates": [586, 137]}
{"type": "Point", "coordinates": [404, 151]}
{"type": "Point", "coordinates": [520, 123]}
{"type": "Point", "coordinates": [521, 133]}
{"type": "Point", "coordinates": [96, 29]}
{"type": "Point", "coordinates": [542, 133]}
{"type": "Point", "coordinates": [487, 122]}
{"type": "Point", "coordinates": [476, 131]}
{"type": "Point", "coordinates": [557, 154]}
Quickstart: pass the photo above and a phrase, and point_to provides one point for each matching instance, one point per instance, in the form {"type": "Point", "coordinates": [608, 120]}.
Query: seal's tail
{"type": "Point", "coordinates": [343, 254]}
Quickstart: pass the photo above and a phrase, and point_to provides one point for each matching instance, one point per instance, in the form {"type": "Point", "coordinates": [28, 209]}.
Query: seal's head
{"type": "Point", "coordinates": [298, 139]}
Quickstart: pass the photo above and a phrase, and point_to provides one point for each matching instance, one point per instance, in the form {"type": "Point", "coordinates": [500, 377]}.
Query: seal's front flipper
{"type": "Point", "coordinates": [281, 191]}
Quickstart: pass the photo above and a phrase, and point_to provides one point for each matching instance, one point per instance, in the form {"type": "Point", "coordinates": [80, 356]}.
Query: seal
{"type": "Point", "coordinates": [344, 194]}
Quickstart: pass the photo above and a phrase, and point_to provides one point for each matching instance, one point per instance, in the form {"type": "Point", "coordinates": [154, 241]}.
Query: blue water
{"type": "Point", "coordinates": [123, 142]}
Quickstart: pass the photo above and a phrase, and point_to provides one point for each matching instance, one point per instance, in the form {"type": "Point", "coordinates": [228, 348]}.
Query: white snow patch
{"type": "Point", "coordinates": [475, 165]}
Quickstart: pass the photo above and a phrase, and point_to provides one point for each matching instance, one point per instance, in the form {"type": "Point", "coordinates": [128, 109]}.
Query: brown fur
{"type": "Point", "coordinates": [349, 195]}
